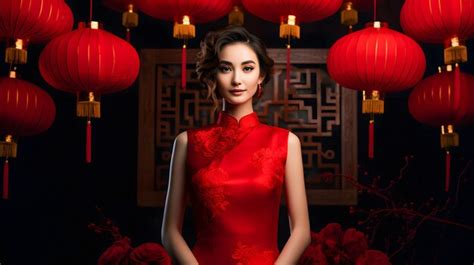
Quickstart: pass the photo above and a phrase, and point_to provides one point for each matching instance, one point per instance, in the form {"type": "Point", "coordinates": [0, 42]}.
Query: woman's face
{"type": "Point", "coordinates": [238, 73]}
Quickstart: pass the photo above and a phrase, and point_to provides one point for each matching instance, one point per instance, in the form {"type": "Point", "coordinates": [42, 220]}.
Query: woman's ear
{"type": "Point", "coordinates": [260, 79]}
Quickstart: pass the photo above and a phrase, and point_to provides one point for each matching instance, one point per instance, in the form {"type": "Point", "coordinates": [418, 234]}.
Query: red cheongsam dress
{"type": "Point", "coordinates": [235, 172]}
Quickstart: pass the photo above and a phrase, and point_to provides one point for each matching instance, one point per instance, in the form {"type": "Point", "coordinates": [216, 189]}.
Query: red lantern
{"type": "Point", "coordinates": [444, 100]}
{"type": "Point", "coordinates": [129, 15]}
{"type": "Point", "coordinates": [62, 22]}
{"type": "Point", "coordinates": [436, 101]}
{"type": "Point", "coordinates": [32, 21]}
{"type": "Point", "coordinates": [25, 110]}
{"type": "Point", "coordinates": [289, 14]}
{"type": "Point", "coordinates": [376, 59]}
{"type": "Point", "coordinates": [440, 21]}
{"type": "Point", "coordinates": [89, 62]}
{"type": "Point", "coordinates": [185, 14]}
{"type": "Point", "coordinates": [302, 12]}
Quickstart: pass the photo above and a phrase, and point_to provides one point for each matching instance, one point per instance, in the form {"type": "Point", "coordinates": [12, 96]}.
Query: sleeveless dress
{"type": "Point", "coordinates": [235, 172]}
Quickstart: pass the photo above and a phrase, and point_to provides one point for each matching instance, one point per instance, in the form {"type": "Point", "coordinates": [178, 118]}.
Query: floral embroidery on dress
{"type": "Point", "coordinates": [270, 162]}
{"type": "Point", "coordinates": [209, 182]}
{"type": "Point", "coordinates": [251, 255]}
{"type": "Point", "coordinates": [215, 141]}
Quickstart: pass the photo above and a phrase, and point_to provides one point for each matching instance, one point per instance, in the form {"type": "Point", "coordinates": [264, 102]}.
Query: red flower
{"type": "Point", "coordinates": [354, 244]}
{"type": "Point", "coordinates": [331, 238]}
{"type": "Point", "coordinates": [373, 257]}
{"type": "Point", "coordinates": [117, 254]}
{"type": "Point", "coordinates": [333, 246]}
{"type": "Point", "coordinates": [149, 254]}
{"type": "Point", "coordinates": [315, 239]}
{"type": "Point", "coordinates": [313, 255]}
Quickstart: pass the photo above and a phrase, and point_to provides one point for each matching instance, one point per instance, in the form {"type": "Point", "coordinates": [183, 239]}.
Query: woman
{"type": "Point", "coordinates": [233, 171]}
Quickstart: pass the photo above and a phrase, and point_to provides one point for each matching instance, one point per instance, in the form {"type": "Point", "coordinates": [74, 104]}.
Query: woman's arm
{"type": "Point", "coordinates": [175, 205]}
{"type": "Point", "coordinates": [297, 205]}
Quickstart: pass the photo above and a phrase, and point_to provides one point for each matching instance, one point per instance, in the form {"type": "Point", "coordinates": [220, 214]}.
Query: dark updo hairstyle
{"type": "Point", "coordinates": [208, 57]}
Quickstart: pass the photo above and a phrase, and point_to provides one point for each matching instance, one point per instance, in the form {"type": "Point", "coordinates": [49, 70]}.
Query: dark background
{"type": "Point", "coordinates": [54, 194]}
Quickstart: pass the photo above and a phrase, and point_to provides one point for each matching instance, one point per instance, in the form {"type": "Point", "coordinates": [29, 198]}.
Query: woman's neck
{"type": "Point", "coordinates": [237, 111]}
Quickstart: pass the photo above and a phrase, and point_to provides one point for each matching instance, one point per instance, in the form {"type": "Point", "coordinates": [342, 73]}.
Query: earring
{"type": "Point", "coordinates": [259, 90]}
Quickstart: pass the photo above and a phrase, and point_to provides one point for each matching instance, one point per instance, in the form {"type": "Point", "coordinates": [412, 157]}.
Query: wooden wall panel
{"type": "Point", "coordinates": [314, 107]}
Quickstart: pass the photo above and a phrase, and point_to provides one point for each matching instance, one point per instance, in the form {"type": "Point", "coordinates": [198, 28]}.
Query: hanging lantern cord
{"type": "Point", "coordinates": [90, 10]}
{"type": "Point", "coordinates": [375, 10]}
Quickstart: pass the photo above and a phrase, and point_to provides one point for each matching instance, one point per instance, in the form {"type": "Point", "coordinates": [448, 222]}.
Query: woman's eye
{"type": "Point", "coordinates": [224, 69]}
{"type": "Point", "coordinates": [248, 68]}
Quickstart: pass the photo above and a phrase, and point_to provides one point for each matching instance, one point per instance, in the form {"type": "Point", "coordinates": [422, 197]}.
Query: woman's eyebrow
{"type": "Point", "coordinates": [229, 63]}
{"type": "Point", "coordinates": [247, 62]}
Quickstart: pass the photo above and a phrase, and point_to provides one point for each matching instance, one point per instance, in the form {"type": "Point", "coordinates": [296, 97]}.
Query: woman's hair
{"type": "Point", "coordinates": [208, 57]}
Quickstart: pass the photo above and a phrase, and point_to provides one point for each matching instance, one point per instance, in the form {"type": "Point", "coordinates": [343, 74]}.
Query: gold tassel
{"type": "Point", "coordinates": [290, 28]}
{"type": "Point", "coordinates": [372, 103]}
{"type": "Point", "coordinates": [455, 52]}
{"type": "Point", "coordinates": [448, 137]}
{"type": "Point", "coordinates": [184, 30]}
{"type": "Point", "coordinates": [17, 54]}
{"type": "Point", "coordinates": [130, 18]}
{"type": "Point", "coordinates": [349, 16]}
{"type": "Point", "coordinates": [236, 16]}
{"type": "Point", "coordinates": [8, 147]}
{"type": "Point", "coordinates": [88, 107]}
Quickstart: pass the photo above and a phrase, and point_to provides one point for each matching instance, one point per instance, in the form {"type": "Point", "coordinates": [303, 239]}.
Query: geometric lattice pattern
{"type": "Point", "coordinates": [314, 107]}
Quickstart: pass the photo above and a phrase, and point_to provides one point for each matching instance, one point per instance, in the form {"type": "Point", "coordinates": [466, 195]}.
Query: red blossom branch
{"type": "Point", "coordinates": [414, 217]}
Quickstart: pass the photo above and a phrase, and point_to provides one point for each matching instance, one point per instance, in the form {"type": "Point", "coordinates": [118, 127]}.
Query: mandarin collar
{"type": "Point", "coordinates": [224, 119]}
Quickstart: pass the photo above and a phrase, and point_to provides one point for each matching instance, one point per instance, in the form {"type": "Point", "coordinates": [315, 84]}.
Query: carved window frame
{"type": "Point", "coordinates": [150, 178]}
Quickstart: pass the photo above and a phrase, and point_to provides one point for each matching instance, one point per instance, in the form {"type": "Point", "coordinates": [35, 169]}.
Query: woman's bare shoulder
{"type": "Point", "coordinates": [293, 140]}
{"type": "Point", "coordinates": [182, 138]}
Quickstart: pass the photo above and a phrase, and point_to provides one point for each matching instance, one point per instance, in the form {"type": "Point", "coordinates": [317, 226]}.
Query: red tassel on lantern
{"type": "Point", "coordinates": [371, 139]}
{"type": "Point", "coordinates": [89, 142]}
{"type": "Point", "coordinates": [127, 35]}
{"type": "Point", "coordinates": [183, 67]}
{"type": "Point", "coordinates": [448, 171]}
{"type": "Point", "coordinates": [5, 180]}
{"type": "Point", "coordinates": [288, 65]}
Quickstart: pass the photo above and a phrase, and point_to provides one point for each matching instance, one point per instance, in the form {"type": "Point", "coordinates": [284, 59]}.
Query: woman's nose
{"type": "Point", "coordinates": [236, 79]}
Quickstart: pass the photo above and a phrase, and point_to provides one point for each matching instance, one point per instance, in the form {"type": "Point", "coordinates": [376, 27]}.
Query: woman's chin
{"type": "Point", "coordinates": [237, 100]}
